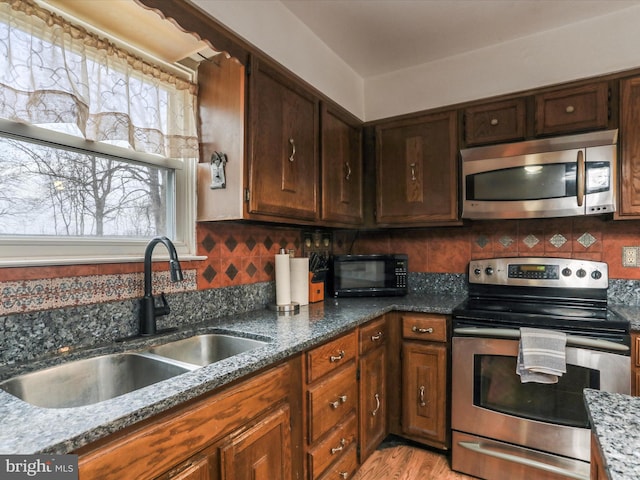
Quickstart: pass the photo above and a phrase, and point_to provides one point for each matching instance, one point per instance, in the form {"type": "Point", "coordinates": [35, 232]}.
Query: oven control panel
{"type": "Point", "coordinates": [539, 271]}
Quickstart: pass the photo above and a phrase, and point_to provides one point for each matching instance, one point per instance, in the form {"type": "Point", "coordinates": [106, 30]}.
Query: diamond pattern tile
{"type": "Point", "coordinates": [231, 243]}
{"type": "Point", "coordinates": [251, 269]}
{"type": "Point", "coordinates": [531, 241]}
{"type": "Point", "coordinates": [268, 268]}
{"type": "Point", "coordinates": [558, 240]}
{"type": "Point", "coordinates": [506, 241]}
{"type": "Point", "coordinates": [208, 243]}
{"type": "Point", "coordinates": [268, 243]}
{"type": "Point", "coordinates": [231, 271]}
{"type": "Point", "coordinates": [482, 241]}
{"type": "Point", "coordinates": [209, 274]}
{"type": "Point", "coordinates": [251, 243]}
{"type": "Point", "coordinates": [586, 240]}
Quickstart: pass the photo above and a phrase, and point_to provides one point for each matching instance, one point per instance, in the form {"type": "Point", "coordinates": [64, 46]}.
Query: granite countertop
{"type": "Point", "coordinates": [615, 421]}
{"type": "Point", "coordinates": [28, 429]}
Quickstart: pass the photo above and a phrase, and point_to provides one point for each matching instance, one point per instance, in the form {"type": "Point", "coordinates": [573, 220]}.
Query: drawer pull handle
{"type": "Point", "coordinates": [377, 337]}
{"type": "Point", "coordinates": [344, 475]}
{"type": "Point", "coordinates": [570, 109]}
{"type": "Point", "coordinates": [335, 450]}
{"type": "Point", "coordinates": [413, 171]}
{"type": "Point", "coordinates": [421, 330]}
{"type": "Point", "coordinates": [341, 399]}
{"type": "Point", "coordinates": [494, 121]}
{"type": "Point", "coordinates": [422, 402]}
{"type": "Point", "coordinates": [337, 358]}
{"type": "Point", "coordinates": [375, 411]}
{"type": "Point", "coordinates": [347, 168]}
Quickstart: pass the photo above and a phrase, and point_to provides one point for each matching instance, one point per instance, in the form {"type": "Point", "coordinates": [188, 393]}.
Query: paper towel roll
{"type": "Point", "coordinates": [300, 280]}
{"type": "Point", "coordinates": [283, 279]}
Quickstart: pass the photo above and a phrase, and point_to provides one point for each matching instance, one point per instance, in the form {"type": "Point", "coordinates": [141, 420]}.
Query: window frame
{"type": "Point", "coordinates": [25, 250]}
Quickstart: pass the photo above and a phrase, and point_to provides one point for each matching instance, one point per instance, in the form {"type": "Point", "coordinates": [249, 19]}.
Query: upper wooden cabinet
{"type": "Point", "coordinates": [572, 109]}
{"type": "Point", "coordinates": [629, 162]}
{"type": "Point", "coordinates": [495, 122]}
{"type": "Point", "coordinates": [341, 147]}
{"type": "Point", "coordinates": [417, 170]}
{"type": "Point", "coordinates": [282, 157]}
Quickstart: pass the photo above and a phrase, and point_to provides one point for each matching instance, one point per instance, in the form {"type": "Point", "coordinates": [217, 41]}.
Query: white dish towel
{"type": "Point", "coordinates": [541, 355]}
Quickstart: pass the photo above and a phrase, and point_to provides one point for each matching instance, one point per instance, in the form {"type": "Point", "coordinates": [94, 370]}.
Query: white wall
{"type": "Point", "coordinates": [272, 28]}
{"type": "Point", "coordinates": [607, 44]}
{"type": "Point", "coordinates": [604, 45]}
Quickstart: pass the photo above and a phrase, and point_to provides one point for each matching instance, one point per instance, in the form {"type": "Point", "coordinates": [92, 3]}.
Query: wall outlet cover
{"type": "Point", "coordinates": [630, 256]}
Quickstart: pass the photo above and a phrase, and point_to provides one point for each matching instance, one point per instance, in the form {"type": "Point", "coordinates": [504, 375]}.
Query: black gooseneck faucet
{"type": "Point", "coordinates": [150, 311]}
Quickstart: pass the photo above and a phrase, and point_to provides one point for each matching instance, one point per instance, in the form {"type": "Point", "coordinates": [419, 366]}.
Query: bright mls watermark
{"type": "Point", "coordinates": [50, 467]}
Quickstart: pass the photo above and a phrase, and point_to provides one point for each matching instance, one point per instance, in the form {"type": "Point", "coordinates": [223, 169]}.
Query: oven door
{"type": "Point", "coordinates": [489, 400]}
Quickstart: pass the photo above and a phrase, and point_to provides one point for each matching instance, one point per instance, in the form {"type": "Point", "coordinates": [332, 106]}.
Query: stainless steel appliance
{"type": "Point", "coordinates": [368, 275]}
{"type": "Point", "coordinates": [505, 429]}
{"type": "Point", "coordinates": [554, 177]}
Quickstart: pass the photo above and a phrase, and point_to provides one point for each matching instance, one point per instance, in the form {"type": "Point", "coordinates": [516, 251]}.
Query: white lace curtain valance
{"type": "Point", "coordinates": [60, 76]}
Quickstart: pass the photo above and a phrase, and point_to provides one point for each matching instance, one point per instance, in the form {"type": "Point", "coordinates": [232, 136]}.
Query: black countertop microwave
{"type": "Point", "coordinates": [378, 275]}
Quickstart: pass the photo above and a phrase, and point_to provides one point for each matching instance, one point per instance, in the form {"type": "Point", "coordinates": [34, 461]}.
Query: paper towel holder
{"type": "Point", "coordinates": [292, 308]}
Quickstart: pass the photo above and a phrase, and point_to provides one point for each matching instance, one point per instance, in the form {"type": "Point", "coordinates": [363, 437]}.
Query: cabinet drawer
{"type": "Point", "coordinates": [345, 468]}
{"type": "Point", "coordinates": [432, 328]}
{"type": "Point", "coordinates": [573, 109]}
{"type": "Point", "coordinates": [495, 122]}
{"type": "Point", "coordinates": [332, 447]}
{"type": "Point", "coordinates": [330, 356]}
{"type": "Point", "coordinates": [373, 335]}
{"type": "Point", "coordinates": [330, 400]}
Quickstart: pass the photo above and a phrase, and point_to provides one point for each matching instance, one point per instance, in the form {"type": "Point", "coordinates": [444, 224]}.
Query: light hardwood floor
{"type": "Point", "coordinates": [405, 462]}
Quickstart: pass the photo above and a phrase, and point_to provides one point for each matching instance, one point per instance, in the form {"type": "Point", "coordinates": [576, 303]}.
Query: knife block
{"type": "Point", "coordinates": [316, 289]}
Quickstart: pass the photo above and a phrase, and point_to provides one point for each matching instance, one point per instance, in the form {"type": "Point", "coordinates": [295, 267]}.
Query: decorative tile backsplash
{"type": "Point", "coordinates": [46, 294]}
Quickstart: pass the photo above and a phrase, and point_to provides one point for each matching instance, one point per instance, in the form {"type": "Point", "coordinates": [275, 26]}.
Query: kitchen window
{"type": "Point", "coordinates": [98, 146]}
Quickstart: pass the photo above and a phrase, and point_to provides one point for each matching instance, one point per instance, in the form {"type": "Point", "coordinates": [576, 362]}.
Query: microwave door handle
{"type": "Point", "coordinates": [580, 181]}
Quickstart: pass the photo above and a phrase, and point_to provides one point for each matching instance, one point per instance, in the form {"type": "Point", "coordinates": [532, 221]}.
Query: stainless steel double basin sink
{"type": "Point", "coordinates": [92, 380]}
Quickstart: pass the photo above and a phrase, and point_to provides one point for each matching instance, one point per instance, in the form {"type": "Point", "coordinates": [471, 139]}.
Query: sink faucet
{"type": "Point", "coordinates": [150, 311]}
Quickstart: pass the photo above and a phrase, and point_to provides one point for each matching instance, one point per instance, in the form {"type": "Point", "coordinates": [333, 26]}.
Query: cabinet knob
{"type": "Point", "coordinates": [494, 121]}
{"type": "Point", "coordinates": [343, 475]}
{"type": "Point", "coordinates": [341, 399]}
{"type": "Point", "coordinates": [293, 150]}
{"type": "Point", "coordinates": [337, 358]}
{"type": "Point", "coordinates": [421, 330]}
{"type": "Point", "coordinates": [422, 401]}
{"type": "Point", "coordinates": [570, 109]}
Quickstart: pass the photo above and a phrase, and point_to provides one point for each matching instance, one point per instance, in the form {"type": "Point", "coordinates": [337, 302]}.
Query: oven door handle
{"type": "Point", "coordinates": [478, 448]}
{"type": "Point", "coordinates": [572, 340]}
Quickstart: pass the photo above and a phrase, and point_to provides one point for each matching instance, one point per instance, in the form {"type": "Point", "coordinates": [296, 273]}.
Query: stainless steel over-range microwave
{"type": "Point", "coordinates": [553, 177]}
{"type": "Point", "coordinates": [368, 275]}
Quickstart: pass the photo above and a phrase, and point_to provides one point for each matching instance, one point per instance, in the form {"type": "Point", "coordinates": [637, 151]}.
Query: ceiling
{"type": "Point", "coordinates": [375, 37]}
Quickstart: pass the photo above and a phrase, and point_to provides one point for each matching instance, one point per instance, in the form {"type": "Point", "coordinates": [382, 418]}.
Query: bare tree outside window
{"type": "Point", "coordinates": [53, 191]}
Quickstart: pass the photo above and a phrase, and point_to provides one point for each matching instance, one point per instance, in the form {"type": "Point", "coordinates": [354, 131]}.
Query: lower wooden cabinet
{"type": "Point", "coordinates": [263, 451]}
{"type": "Point", "coordinates": [232, 434]}
{"type": "Point", "coordinates": [373, 386]}
{"type": "Point", "coordinates": [424, 380]}
{"type": "Point", "coordinates": [331, 409]}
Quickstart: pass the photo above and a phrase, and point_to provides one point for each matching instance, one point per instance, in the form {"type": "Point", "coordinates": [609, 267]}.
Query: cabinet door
{"type": "Point", "coordinates": [341, 169]}
{"type": "Point", "coordinates": [629, 204]}
{"type": "Point", "coordinates": [417, 171]}
{"type": "Point", "coordinates": [573, 109]}
{"type": "Point", "coordinates": [373, 401]}
{"type": "Point", "coordinates": [283, 146]}
{"type": "Point", "coordinates": [495, 122]}
{"type": "Point", "coordinates": [263, 451]}
{"type": "Point", "coordinates": [424, 373]}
